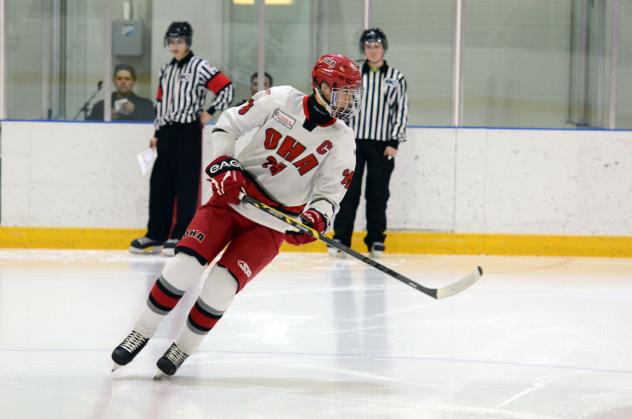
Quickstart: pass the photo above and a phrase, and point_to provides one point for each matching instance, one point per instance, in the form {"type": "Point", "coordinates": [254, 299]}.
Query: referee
{"type": "Point", "coordinates": [180, 117]}
{"type": "Point", "coordinates": [379, 127]}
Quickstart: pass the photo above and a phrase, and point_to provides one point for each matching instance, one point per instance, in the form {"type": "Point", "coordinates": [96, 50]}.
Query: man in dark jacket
{"type": "Point", "coordinates": [126, 106]}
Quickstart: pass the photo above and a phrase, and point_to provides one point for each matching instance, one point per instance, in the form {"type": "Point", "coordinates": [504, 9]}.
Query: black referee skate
{"type": "Point", "coordinates": [145, 246]}
{"type": "Point", "coordinates": [128, 349]}
{"type": "Point", "coordinates": [170, 361]}
{"type": "Point", "coordinates": [376, 250]}
{"type": "Point", "coordinates": [332, 251]}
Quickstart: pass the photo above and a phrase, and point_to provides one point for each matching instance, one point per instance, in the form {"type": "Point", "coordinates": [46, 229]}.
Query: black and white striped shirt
{"type": "Point", "coordinates": [182, 90]}
{"type": "Point", "coordinates": [384, 110]}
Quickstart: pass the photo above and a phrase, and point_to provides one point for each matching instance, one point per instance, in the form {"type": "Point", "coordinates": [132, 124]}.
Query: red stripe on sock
{"type": "Point", "coordinates": [198, 317]}
{"type": "Point", "coordinates": [162, 298]}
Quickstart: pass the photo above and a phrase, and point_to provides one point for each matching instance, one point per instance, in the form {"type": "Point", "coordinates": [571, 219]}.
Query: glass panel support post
{"type": "Point", "coordinates": [614, 66]}
{"type": "Point", "coordinates": [367, 13]}
{"type": "Point", "coordinates": [3, 56]}
{"type": "Point", "coordinates": [457, 79]}
{"type": "Point", "coordinates": [261, 46]}
{"type": "Point", "coordinates": [107, 60]}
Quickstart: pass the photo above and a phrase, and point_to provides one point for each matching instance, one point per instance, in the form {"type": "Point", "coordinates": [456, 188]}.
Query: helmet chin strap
{"type": "Point", "coordinates": [325, 101]}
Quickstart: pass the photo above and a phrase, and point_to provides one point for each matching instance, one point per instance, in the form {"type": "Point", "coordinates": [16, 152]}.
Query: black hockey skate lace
{"type": "Point", "coordinates": [133, 341]}
{"type": "Point", "coordinates": [175, 355]}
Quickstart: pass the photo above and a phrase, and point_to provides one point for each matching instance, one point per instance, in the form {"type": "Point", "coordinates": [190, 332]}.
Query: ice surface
{"type": "Point", "coordinates": [316, 337]}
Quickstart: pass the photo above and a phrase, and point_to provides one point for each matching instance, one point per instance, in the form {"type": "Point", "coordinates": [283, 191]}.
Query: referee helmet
{"type": "Point", "coordinates": [179, 30]}
{"type": "Point", "coordinates": [373, 35]}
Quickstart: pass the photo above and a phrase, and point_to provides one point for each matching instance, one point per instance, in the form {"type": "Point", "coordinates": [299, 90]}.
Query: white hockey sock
{"type": "Point", "coordinates": [217, 294]}
{"type": "Point", "coordinates": [177, 277]}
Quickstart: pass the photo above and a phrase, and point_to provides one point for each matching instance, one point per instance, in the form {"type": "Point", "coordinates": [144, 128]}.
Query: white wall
{"type": "Point", "coordinates": [467, 180]}
{"type": "Point", "coordinates": [79, 175]}
{"type": "Point", "coordinates": [544, 182]}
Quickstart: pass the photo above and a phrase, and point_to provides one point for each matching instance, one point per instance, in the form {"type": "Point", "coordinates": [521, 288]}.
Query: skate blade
{"type": "Point", "coordinates": [160, 376]}
{"type": "Point", "coordinates": [335, 253]}
{"type": "Point", "coordinates": [155, 250]}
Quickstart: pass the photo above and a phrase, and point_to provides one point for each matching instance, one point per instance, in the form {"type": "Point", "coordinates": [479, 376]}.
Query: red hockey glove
{"type": "Point", "coordinates": [310, 218]}
{"type": "Point", "coordinates": [227, 180]}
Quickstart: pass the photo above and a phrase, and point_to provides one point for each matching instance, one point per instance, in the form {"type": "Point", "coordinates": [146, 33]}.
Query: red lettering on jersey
{"type": "Point", "coordinates": [246, 107]}
{"type": "Point", "coordinates": [347, 178]}
{"type": "Point", "coordinates": [290, 149]}
{"type": "Point", "coordinates": [272, 139]}
{"type": "Point", "coordinates": [274, 166]}
{"type": "Point", "coordinates": [324, 147]}
{"type": "Point", "coordinates": [306, 164]}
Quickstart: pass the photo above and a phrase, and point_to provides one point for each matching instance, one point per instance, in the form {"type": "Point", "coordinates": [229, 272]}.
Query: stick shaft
{"type": "Point", "coordinates": [310, 231]}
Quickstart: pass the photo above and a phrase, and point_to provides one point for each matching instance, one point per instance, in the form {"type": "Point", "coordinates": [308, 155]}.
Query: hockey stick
{"type": "Point", "coordinates": [436, 293]}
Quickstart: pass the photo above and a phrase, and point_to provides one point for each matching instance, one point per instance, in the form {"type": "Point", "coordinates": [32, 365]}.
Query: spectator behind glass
{"type": "Point", "coordinates": [126, 106]}
{"type": "Point", "coordinates": [254, 85]}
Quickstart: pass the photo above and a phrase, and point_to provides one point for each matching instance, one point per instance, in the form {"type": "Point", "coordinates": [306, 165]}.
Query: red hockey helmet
{"type": "Point", "coordinates": [342, 75]}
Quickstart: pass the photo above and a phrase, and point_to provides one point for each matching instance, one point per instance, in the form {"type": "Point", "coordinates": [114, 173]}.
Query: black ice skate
{"type": "Point", "coordinates": [170, 361]}
{"type": "Point", "coordinates": [145, 246]}
{"type": "Point", "coordinates": [334, 252]}
{"type": "Point", "coordinates": [169, 247]}
{"type": "Point", "coordinates": [128, 349]}
{"type": "Point", "coordinates": [376, 250]}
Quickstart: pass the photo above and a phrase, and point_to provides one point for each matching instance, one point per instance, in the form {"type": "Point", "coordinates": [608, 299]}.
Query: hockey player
{"type": "Point", "coordinates": [299, 161]}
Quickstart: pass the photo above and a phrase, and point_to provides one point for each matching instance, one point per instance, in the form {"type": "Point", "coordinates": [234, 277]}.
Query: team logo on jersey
{"type": "Point", "coordinates": [245, 268]}
{"type": "Point", "coordinates": [390, 82]}
{"type": "Point", "coordinates": [186, 77]}
{"type": "Point", "coordinates": [283, 118]}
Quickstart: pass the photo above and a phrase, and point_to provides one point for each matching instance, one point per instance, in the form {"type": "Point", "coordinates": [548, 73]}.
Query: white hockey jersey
{"type": "Point", "coordinates": [293, 162]}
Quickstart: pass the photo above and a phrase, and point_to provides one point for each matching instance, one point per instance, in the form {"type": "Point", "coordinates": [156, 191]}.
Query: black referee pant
{"type": "Point", "coordinates": [369, 154]}
{"type": "Point", "coordinates": [175, 180]}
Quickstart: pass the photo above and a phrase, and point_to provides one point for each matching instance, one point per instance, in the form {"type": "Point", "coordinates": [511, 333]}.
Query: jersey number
{"type": "Point", "coordinates": [347, 177]}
